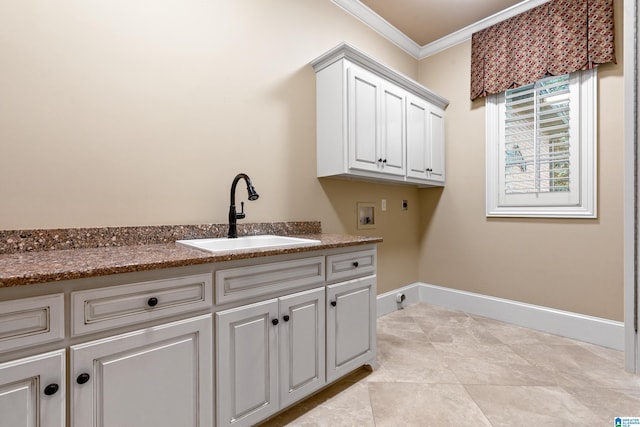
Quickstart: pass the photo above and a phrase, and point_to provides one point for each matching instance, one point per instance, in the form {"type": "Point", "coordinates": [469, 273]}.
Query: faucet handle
{"type": "Point", "coordinates": [241, 214]}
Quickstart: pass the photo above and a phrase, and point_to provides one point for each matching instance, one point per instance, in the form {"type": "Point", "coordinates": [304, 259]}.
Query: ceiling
{"type": "Point", "coordinates": [425, 21]}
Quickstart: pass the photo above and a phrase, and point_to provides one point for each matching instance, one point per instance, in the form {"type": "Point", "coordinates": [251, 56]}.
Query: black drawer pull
{"type": "Point", "coordinates": [83, 378]}
{"type": "Point", "coordinates": [152, 302]}
{"type": "Point", "coordinates": [333, 303]}
{"type": "Point", "coordinates": [275, 322]}
{"type": "Point", "coordinates": [355, 264]}
{"type": "Point", "coordinates": [285, 317]}
{"type": "Point", "coordinates": [51, 389]}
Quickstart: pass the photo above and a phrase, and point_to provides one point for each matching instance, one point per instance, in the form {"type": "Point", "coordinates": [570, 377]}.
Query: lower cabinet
{"type": "Point", "coordinates": [155, 377]}
{"type": "Point", "coordinates": [315, 324]}
{"type": "Point", "coordinates": [269, 354]}
{"type": "Point", "coordinates": [32, 391]}
{"type": "Point", "coordinates": [351, 327]}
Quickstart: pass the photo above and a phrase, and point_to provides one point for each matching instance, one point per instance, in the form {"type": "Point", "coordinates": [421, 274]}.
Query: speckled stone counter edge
{"type": "Point", "coordinates": [17, 241]}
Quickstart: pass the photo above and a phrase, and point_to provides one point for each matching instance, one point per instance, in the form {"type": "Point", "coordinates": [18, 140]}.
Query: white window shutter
{"type": "Point", "coordinates": [540, 154]}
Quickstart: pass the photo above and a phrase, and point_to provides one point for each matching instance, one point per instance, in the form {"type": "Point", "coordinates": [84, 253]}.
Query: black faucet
{"type": "Point", "coordinates": [233, 215]}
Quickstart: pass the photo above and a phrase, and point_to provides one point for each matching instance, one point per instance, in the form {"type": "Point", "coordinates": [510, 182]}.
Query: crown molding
{"type": "Point", "coordinates": [346, 51]}
{"type": "Point", "coordinates": [380, 25]}
{"type": "Point", "coordinates": [465, 33]}
{"type": "Point", "coordinates": [384, 28]}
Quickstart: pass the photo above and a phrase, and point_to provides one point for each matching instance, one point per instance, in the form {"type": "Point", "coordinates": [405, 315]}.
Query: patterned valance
{"type": "Point", "coordinates": [558, 37]}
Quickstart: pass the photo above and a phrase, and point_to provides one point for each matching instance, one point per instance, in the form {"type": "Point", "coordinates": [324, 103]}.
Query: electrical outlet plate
{"type": "Point", "coordinates": [366, 215]}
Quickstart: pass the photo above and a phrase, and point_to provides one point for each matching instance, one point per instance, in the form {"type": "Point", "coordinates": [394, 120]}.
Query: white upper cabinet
{"type": "Point", "coordinates": [376, 110]}
{"type": "Point", "coordinates": [376, 124]}
{"type": "Point", "coordinates": [425, 132]}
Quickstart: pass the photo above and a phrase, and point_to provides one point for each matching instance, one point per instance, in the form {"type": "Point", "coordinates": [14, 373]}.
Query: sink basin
{"type": "Point", "coordinates": [246, 242]}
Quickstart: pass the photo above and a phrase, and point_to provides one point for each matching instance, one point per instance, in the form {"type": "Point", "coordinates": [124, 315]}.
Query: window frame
{"type": "Point", "coordinates": [585, 82]}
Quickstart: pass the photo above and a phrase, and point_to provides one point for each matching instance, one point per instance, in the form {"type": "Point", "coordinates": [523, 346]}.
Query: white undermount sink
{"type": "Point", "coordinates": [246, 242]}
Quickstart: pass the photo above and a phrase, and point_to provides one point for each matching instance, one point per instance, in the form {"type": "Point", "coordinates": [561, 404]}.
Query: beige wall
{"type": "Point", "coordinates": [573, 265]}
{"type": "Point", "coordinates": [141, 112]}
{"type": "Point", "coordinates": [134, 112]}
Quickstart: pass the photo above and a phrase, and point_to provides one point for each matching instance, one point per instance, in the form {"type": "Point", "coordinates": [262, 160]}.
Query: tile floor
{"type": "Point", "coordinates": [440, 367]}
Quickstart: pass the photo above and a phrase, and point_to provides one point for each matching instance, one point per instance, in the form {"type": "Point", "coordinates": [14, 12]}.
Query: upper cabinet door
{"type": "Point", "coordinates": [392, 128]}
{"type": "Point", "coordinates": [363, 119]}
{"type": "Point", "coordinates": [425, 140]}
{"type": "Point", "coordinates": [417, 138]}
{"type": "Point", "coordinates": [435, 154]}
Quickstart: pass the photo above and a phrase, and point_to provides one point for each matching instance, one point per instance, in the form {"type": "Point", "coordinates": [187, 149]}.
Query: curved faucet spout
{"type": "Point", "coordinates": [233, 214]}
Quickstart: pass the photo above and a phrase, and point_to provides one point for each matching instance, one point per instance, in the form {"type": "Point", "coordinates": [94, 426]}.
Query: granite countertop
{"type": "Point", "coordinates": [19, 268]}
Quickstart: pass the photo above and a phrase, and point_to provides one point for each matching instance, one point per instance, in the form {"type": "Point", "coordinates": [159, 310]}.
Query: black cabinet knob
{"type": "Point", "coordinates": [380, 160]}
{"type": "Point", "coordinates": [152, 302]}
{"type": "Point", "coordinates": [384, 161]}
{"type": "Point", "coordinates": [83, 378]}
{"type": "Point", "coordinates": [355, 264]}
{"type": "Point", "coordinates": [333, 303]}
{"type": "Point", "coordinates": [51, 389]}
{"type": "Point", "coordinates": [274, 321]}
{"type": "Point", "coordinates": [285, 317]}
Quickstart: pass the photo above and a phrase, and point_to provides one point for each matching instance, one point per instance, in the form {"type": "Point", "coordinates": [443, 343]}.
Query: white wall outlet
{"type": "Point", "coordinates": [383, 205]}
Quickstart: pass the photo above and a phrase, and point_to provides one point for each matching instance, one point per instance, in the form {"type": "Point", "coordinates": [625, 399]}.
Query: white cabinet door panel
{"type": "Point", "coordinates": [302, 344]}
{"type": "Point", "coordinates": [159, 376]}
{"type": "Point", "coordinates": [425, 141]}
{"type": "Point", "coordinates": [25, 399]}
{"type": "Point", "coordinates": [392, 123]}
{"type": "Point", "coordinates": [351, 313]}
{"type": "Point", "coordinates": [436, 144]}
{"type": "Point", "coordinates": [246, 360]}
{"type": "Point", "coordinates": [417, 138]}
{"type": "Point", "coordinates": [364, 119]}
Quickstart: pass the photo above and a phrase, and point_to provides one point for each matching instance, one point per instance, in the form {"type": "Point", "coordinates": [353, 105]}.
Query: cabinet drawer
{"type": "Point", "coordinates": [30, 321]}
{"type": "Point", "coordinates": [247, 282]}
{"type": "Point", "coordinates": [350, 265]}
{"type": "Point", "coordinates": [124, 305]}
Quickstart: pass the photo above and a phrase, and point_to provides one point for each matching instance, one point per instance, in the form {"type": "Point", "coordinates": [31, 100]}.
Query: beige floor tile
{"type": "Point", "coordinates": [410, 404]}
{"type": "Point", "coordinates": [345, 403]}
{"type": "Point", "coordinates": [512, 334]}
{"type": "Point", "coordinates": [456, 330]}
{"type": "Point", "coordinates": [492, 364]}
{"type": "Point", "coordinates": [401, 328]}
{"type": "Point", "coordinates": [608, 404]}
{"type": "Point", "coordinates": [507, 406]}
{"type": "Point", "coordinates": [442, 367]}
{"type": "Point", "coordinates": [615, 357]}
{"type": "Point", "coordinates": [577, 366]}
{"type": "Point", "coordinates": [410, 361]}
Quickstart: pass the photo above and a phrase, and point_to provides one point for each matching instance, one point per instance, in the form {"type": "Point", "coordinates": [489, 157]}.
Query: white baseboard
{"type": "Point", "coordinates": [387, 302]}
{"type": "Point", "coordinates": [594, 330]}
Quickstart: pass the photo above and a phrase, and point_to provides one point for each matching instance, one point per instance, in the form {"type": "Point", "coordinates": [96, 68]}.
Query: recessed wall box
{"type": "Point", "coordinates": [366, 215]}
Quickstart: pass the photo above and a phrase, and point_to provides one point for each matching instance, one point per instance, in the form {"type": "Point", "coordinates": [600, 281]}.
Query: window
{"type": "Point", "coordinates": [541, 148]}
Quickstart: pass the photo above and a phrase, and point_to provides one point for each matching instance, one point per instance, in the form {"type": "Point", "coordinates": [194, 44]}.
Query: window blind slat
{"type": "Point", "coordinates": [536, 131]}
